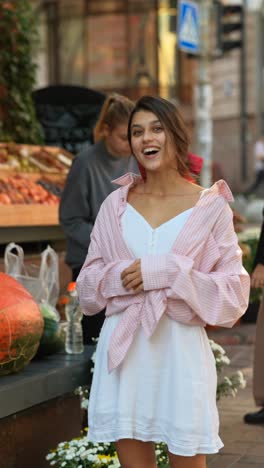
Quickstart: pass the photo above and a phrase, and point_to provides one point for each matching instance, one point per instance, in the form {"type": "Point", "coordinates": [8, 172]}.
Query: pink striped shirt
{"type": "Point", "coordinates": [200, 281]}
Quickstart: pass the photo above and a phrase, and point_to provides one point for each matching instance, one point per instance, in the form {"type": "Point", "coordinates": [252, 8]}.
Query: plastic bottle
{"type": "Point", "coordinates": [73, 312]}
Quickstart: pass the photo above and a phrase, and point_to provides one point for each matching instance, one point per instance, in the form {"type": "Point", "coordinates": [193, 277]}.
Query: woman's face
{"type": "Point", "coordinates": [116, 141]}
{"type": "Point", "coordinates": [151, 145]}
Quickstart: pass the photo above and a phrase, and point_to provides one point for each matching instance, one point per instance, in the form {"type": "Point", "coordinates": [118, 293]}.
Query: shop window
{"type": "Point", "coordinates": [107, 45]}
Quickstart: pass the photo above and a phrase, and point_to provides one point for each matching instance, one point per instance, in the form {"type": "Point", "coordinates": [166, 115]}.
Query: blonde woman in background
{"type": "Point", "coordinates": [89, 183]}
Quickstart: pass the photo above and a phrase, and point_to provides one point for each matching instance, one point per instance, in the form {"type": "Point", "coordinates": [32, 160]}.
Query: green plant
{"type": "Point", "coordinates": [18, 36]}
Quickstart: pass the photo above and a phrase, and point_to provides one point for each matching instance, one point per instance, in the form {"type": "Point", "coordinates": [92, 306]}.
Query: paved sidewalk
{"type": "Point", "coordinates": [244, 444]}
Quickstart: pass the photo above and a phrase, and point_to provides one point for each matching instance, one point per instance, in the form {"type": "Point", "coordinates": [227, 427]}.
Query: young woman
{"type": "Point", "coordinates": [164, 260]}
{"type": "Point", "coordinates": [89, 182]}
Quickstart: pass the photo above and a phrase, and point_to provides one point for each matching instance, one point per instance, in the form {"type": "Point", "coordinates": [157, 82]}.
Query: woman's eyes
{"type": "Point", "coordinates": [155, 130]}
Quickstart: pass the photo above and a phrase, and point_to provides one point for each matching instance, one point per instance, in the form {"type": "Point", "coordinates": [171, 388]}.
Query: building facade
{"type": "Point", "coordinates": [130, 46]}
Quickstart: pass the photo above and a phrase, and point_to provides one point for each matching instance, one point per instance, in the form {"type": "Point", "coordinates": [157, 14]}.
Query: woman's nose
{"type": "Point", "coordinates": [147, 135]}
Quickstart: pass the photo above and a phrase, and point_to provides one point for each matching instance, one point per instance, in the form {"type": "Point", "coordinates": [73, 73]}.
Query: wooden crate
{"type": "Point", "coordinates": [29, 215]}
{"type": "Point", "coordinates": [15, 215]}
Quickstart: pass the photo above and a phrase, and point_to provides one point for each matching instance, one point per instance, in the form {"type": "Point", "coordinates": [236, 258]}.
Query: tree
{"type": "Point", "coordinates": [18, 36]}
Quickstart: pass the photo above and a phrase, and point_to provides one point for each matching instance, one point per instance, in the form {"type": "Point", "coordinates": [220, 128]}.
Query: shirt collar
{"type": "Point", "coordinates": [129, 179]}
{"type": "Point", "coordinates": [220, 187]}
{"type": "Point", "coordinates": [126, 181]}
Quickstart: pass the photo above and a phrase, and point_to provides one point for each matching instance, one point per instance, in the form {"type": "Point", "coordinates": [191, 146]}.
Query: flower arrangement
{"type": "Point", "coordinates": [226, 385]}
{"type": "Point", "coordinates": [80, 453]}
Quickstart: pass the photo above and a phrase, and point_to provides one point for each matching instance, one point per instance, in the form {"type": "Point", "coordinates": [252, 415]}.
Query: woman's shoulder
{"type": "Point", "coordinates": [220, 190]}
{"type": "Point", "coordinates": [112, 200]}
{"type": "Point", "coordinates": [88, 152]}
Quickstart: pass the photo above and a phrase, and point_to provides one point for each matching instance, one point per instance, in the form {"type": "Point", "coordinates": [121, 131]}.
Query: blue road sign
{"type": "Point", "coordinates": [188, 26]}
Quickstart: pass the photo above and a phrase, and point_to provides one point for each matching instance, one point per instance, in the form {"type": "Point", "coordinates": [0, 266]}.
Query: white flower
{"type": "Point", "coordinates": [225, 360]}
{"type": "Point", "coordinates": [249, 234]}
{"type": "Point", "coordinates": [227, 381]}
{"type": "Point", "coordinates": [239, 380]}
{"type": "Point", "coordinates": [84, 403]}
{"type": "Point", "coordinates": [216, 347]}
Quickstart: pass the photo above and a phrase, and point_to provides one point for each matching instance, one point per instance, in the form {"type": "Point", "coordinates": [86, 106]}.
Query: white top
{"type": "Point", "coordinates": [147, 239]}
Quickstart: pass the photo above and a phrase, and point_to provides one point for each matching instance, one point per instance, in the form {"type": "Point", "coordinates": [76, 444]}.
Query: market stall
{"type": "Point", "coordinates": [31, 182]}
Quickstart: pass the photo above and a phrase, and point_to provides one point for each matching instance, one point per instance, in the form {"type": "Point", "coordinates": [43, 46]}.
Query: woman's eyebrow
{"type": "Point", "coordinates": [152, 122]}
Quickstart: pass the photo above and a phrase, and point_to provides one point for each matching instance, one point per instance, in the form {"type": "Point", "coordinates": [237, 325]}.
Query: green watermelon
{"type": "Point", "coordinates": [51, 341]}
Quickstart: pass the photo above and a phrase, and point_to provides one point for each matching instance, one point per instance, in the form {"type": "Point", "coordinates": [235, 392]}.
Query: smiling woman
{"type": "Point", "coordinates": [165, 261]}
{"type": "Point", "coordinates": [157, 121]}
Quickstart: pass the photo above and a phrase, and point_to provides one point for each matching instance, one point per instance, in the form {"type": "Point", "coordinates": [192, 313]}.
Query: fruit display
{"type": "Point", "coordinates": [53, 187]}
{"type": "Point", "coordinates": [21, 326]}
{"type": "Point", "coordinates": [19, 189]}
{"type": "Point", "coordinates": [31, 159]}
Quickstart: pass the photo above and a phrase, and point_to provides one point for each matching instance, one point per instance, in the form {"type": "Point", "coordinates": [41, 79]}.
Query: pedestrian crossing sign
{"type": "Point", "coordinates": [188, 27]}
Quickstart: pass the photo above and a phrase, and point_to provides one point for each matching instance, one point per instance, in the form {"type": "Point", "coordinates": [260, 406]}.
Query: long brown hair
{"type": "Point", "coordinates": [173, 123]}
{"type": "Point", "coordinates": [115, 111]}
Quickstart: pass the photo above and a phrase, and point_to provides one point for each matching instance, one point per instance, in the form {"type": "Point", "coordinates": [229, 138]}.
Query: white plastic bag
{"type": "Point", "coordinates": [42, 281]}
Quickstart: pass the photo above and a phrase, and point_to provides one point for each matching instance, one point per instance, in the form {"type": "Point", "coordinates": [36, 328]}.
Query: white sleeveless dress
{"type": "Point", "coordinates": [165, 389]}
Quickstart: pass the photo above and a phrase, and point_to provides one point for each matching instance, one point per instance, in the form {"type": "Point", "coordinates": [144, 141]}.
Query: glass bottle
{"type": "Point", "coordinates": [73, 312]}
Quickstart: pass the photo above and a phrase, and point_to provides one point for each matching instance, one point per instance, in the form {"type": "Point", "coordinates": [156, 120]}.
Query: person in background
{"type": "Point", "coordinates": [164, 260]}
{"type": "Point", "coordinates": [259, 166]}
{"type": "Point", "coordinates": [88, 184]}
{"type": "Point", "coordinates": [257, 281]}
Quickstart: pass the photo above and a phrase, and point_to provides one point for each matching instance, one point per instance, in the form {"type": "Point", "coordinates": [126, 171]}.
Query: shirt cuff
{"type": "Point", "coordinates": [154, 272]}
{"type": "Point", "coordinates": [158, 271]}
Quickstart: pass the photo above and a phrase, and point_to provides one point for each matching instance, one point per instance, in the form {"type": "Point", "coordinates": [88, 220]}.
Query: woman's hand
{"type": "Point", "coordinates": [132, 277]}
{"type": "Point", "coordinates": [257, 276]}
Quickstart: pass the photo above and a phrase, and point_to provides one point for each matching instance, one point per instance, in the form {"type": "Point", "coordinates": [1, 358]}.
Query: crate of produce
{"type": "Point", "coordinates": [29, 200]}
{"type": "Point", "coordinates": [34, 159]}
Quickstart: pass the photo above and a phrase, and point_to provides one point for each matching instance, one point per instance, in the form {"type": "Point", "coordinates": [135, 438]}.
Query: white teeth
{"type": "Point", "coordinates": [149, 150]}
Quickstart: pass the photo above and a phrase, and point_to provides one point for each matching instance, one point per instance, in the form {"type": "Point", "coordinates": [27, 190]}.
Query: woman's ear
{"type": "Point", "coordinates": [105, 130]}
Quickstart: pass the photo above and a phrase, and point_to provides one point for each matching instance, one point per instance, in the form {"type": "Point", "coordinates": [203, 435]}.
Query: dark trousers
{"type": "Point", "coordinates": [91, 325]}
{"type": "Point", "coordinates": [258, 369]}
{"type": "Point", "coordinates": [258, 181]}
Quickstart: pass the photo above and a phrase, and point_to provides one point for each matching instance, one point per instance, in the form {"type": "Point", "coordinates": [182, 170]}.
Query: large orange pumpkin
{"type": "Point", "coordinates": [21, 325]}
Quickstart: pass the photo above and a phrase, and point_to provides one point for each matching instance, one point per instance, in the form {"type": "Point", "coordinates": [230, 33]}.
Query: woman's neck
{"type": "Point", "coordinates": [165, 183]}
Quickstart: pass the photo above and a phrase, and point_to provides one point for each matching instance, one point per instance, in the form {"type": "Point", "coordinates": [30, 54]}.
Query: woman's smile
{"type": "Point", "coordinates": [151, 152]}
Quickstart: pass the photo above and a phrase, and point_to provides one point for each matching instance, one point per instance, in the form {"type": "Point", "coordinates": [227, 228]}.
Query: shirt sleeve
{"type": "Point", "coordinates": [74, 210]}
{"type": "Point", "coordinates": [219, 297]}
{"type": "Point", "coordinates": [99, 281]}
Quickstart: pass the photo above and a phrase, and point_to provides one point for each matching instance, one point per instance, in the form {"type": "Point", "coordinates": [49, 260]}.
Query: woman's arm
{"type": "Point", "coordinates": [97, 281]}
{"type": "Point", "coordinates": [75, 210]}
{"type": "Point", "coordinates": [219, 297]}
